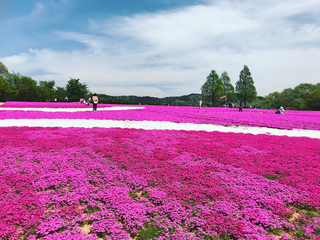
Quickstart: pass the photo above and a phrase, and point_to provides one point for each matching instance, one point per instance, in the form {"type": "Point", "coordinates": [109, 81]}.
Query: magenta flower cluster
{"type": "Point", "coordinates": [76, 183]}
{"type": "Point", "coordinates": [122, 182]}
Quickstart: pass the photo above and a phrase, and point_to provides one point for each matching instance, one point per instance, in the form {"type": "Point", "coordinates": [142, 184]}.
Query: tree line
{"type": "Point", "coordinates": [219, 90]}
{"type": "Point", "coordinates": [185, 100]}
{"type": "Point", "coordinates": [305, 96]}
{"type": "Point", "coordinates": [216, 91]}
{"type": "Point", "coordinates": [16, 87]}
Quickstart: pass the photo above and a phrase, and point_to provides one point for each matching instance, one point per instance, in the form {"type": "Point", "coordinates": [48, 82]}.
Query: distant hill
{"type": "Point", "coordinates": [185, 100]}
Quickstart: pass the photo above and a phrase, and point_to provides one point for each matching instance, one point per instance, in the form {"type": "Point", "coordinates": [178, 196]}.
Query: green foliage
{"type": "Point", "coordinates": [133, 195]}
{"type": "Point", "coordinates": [3, 70]}
{"type": "Point", "coordinates": [317, 231]}
{"type": "Point", "coordinates": [298, 104]}
{"type": "Point", "coordinates": [150, 232]}
{"type": "Point", "coordinates": [275, 231]}
{"type": "Point", "coordinates": [256, 102]}
{"type": "Point", "coordinates": [285, 98]}
{"type": "Point", "coordinates": [76, 90]}
{"type": "Point", "coordinates": [245, 89]}
{"type": "Point", "coordinates": [310, 214]}
{"type": "Point", "coordinates": [271, 101]}
{"type": "Point", "coordinates": [300, 233]}
{"type": "Point", "coordinates": [223, 236]}
{"type": "Point", "coordinates": [61, 92]}
{"type": "Point", "coordinates": [23, 88]}
{"type": "Point", "coordinates": [305, 96]}
{"type": "Point", "coordinates": [207, 237]}
{"type": "Point", "coordinates": [312, 100]}
{"type": "Point", "coordinates": [270, 177]}
{"type": "Point", "coordinates": [90, 209]}
{"type": "Point", "coordinates": [145, 194]}
{"type": "Point", "coordinates": [185, 100]}
{"type": "Point", "coordinates": [228, 89]}
{"type": "Point", "coordinates": [303, 89]}
{"type": "Point", "coordinates": [6, 91]}
{"type": "Point", "coordinates": [14, 79]}
{"type": "Point", "coordinates": [28, 90]}
{"type": "Point", "coordinates": [46, 90]}
{"type": "Point", "coordinates": [212, 89]}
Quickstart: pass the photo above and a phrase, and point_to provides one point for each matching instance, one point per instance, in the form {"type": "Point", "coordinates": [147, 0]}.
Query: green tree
{"type": "Point", "coordinates": [28, 90]}
{"type": "Point", "coordinates": [46, 90]}
{"type": "Point", "coordinates": [298, 104]}
{"type": "Point", "coordinates": [312, 100]}
{"type": "Point", "coordinates": [271, 101]}
{"type": "Point", "coordinates": [76, 90]}
{"type": "Point", "coordinates": [61, 92]}
{"type": "Point", "coordinates": [245, 89]}
{"type": "Point", "coordinates": [6, 91]}
{"type": "Point", "coordinates": [212, 89]}
{"type": "Point", "coordinates": [303, 89]}
{"type": "Point", "coordinates": [228, 89]}
{"type": "Point", "coordinates": [299, 94]}
{"type": "Point", "coordinates": [3, 70]}
{"type": "Point", "coordinates": [24, 88]}
{"type": "Point", "coordinates": [14, 79]}
{"type": "Point", "coordinates": [286, 97]}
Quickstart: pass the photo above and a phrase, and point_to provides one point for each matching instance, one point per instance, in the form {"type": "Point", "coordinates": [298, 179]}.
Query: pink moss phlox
{"type": "Point", "coordinates": [122, 180]}
{"type": "Point", "coordinates": [218, 116]}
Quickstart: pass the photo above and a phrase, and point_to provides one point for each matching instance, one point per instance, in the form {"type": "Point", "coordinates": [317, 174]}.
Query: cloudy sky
{"type": "Point", "coordinates": [161, 47]}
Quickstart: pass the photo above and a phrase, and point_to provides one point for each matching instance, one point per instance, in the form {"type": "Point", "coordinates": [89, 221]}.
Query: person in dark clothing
{"type": "Point", "coordinates": [240, 106]}
{"type": "Point", "coordinates": [95, 101]}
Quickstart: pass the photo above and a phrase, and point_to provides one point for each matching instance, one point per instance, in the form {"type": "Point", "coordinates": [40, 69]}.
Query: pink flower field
{"type": "Point", "coordinates": [219, 116]}
{"type": "Point", "coordinates": [120, 183]}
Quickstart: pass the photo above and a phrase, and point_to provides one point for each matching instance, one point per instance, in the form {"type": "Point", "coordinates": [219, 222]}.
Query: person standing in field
{"type": "Point", "coordinates": [240, 106]}
{"type": "Point", "coordinates": [95, 101]}
{"type": "Point", "coordinates": [200, 103]}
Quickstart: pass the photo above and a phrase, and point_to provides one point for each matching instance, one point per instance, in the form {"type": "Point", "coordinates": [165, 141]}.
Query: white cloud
{"type": "Point", "coordinates": [171, 52]}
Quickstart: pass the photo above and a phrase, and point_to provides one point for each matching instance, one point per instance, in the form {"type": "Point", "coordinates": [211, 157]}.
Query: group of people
{"type": "Point", "coordinates": [95, 101]}
{"type": "Point", "coordinates": [65, 99]}
{"type": "Point", "coordinates": [280, 109]}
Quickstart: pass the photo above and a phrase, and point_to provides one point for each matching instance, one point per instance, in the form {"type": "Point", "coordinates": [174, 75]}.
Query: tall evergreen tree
{"type": "Point", "coordinates": [212, 89]}
{"type": "Point", "coordinates": [228, 89]}
{"type": "Point", "coordinates": [245, 89]}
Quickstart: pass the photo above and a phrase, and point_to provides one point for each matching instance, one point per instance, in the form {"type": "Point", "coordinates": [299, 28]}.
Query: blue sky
{"type": "Point", "coordinates": [161, 47]}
